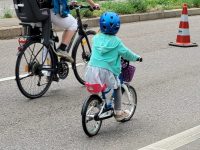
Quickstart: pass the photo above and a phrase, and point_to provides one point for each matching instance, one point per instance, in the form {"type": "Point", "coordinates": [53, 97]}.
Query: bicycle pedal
{"type": "Point", "coordinates": [67, 59]}
{"type": "Point", "coordinates": [63, 59]}
{"type": "Point", "coordinates": [108, 109]}
{"type": "Point", "coordinates": [106, 114]}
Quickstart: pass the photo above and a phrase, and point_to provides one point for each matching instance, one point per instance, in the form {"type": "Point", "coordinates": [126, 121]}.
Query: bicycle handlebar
{"type": "Point", "coordinates": [74, 6]}
{"type": "Point", "coordinates": [125, 63]}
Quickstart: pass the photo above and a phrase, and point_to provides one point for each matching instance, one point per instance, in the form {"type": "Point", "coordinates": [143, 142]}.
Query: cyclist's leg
{"type": "Point", "coordinates": [69, 24]}
{"type": "Point", "coordinates": [119, 114]}
{"type": "Point", "coordinates": [67, 36]}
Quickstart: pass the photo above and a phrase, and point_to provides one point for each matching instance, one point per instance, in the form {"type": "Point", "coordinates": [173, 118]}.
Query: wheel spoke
{"type": "Point", "coordinates": [31, 78]}
{"type": "Point", "coordinates": [25, 76]}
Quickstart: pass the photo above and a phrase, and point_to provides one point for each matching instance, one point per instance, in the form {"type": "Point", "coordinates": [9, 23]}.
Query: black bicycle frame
{"type": "Point", "coordinates": [81, 28]}
{"type": "Point", "coordinates": [81, 32]}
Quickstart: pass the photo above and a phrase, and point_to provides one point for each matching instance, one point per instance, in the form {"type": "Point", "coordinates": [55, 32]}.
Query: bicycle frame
{"type": "Point", "coordinates": [81, 30]}
{"type": "Point", "coordinates": [41, 60]}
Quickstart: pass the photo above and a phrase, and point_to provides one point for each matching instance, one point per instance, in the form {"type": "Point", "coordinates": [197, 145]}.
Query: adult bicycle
{"type": "Point", "coordinates": [98, 107]}
{"type": "Point", "coordinates": [38, 65]}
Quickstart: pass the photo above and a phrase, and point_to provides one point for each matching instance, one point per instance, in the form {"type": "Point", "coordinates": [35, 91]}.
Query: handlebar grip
{"type": "Point", "coordinates": [124, 63]}
{"type": "Point", "coordinates": [70, 7]}
{"type": "Point", "coordinates": [85, 6]}
{"type": "Point", "coordinates": [80, 6]}
{"type": "Point", "coordinates": [139, 59]}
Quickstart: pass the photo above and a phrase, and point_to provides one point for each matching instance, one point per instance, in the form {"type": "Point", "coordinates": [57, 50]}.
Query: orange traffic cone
{"type": "Point", "coordinates": [183, 36]}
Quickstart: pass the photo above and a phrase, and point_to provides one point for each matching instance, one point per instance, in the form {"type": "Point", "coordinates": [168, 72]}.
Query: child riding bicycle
{"type": "Point", "coordinates": [104, 66]}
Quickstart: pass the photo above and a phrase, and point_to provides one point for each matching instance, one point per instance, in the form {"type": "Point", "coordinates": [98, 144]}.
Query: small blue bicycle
{"type": "Point", "coordinates": [98, 107]}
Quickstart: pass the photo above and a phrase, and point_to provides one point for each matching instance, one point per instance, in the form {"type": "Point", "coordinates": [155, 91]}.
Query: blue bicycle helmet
{"type": "Point", "coordinates": [109, 23]}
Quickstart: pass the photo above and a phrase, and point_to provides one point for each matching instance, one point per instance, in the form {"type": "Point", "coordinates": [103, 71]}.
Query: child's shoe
{"type": "Point", "coordinates": [121, 115]}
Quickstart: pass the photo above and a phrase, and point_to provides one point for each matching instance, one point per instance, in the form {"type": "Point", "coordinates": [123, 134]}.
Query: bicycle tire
{"type": "Point", "coordinates": [29, 56]}
{"type": "Point", "coordinates": [80, 62]}
{"type": "Point", "coordinates": [132, 100]}
{"type": "Point", "coordinates": [87, 117]}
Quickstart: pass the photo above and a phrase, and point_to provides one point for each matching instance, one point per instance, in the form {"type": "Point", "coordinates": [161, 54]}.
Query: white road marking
{"type": "Point", "coordinates": [13, 77]}
{"type": "Point", "coordinates": [80, 64]}
{"type": "Point", "coordinates": [7, 79]}
{"type": "Point", "coordinates": [175, 141]}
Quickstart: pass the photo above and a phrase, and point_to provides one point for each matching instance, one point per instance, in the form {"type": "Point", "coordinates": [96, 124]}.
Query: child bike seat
{"type": "Point", "coordinates": [29, 11]}
{"type": "Point", "coordinates": [95, 88]}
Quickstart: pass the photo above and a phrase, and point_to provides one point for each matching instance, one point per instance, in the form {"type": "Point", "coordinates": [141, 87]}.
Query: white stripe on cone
{"type": "Point", "coordinates": [184, 18]}
{"type": "Point", "coordinates": [183, 32]}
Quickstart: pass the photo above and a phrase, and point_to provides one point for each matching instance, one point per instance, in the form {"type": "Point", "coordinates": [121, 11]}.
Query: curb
{"type": "Point", "coordinates": [15, 31]}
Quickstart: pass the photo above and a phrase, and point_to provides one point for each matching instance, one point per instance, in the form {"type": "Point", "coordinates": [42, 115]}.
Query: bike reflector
{"type": "Point", "coordinates": [84, 41]}
{"type": "Point", "coordinates": [26, 68]}
{"type": "Point", "coordinates": [22, 41]}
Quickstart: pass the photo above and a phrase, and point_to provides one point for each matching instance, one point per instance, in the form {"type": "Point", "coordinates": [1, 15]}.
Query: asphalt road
{"type": "Point", "coordinates": [167, 84]}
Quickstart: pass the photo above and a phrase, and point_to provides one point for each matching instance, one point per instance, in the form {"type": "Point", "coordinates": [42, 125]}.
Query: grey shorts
{"type": "Point", "coordinates": [67, 23]}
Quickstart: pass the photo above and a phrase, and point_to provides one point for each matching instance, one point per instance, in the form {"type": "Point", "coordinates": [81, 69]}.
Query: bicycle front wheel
{"type": "Point", "coordinates": [90, 109]}
{"type": "Point", "coordinates": [34, 69]}
{"type": "Point", "coordinates": [129, 100]}
{"type": "Point", "coordinates": [81, 55]}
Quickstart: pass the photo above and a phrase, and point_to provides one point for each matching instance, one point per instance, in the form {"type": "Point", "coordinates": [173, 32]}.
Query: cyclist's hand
{"type": "Point", "coordinates": [139, 59]}
{"type": "Point", "coordinates": [73, 3]}
{"type": "Point", "coordinates": [96, 6]}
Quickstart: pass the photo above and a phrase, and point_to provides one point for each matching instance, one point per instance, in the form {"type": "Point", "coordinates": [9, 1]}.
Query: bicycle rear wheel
{"type": "Point", "coordinates": [129, 100]}
{"type": "Point", "coordinates": [81, 55]}
{"type": "Point", "coordinates": [90, 109]}
{"type": "Point", "coordinates": [34, 69]}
